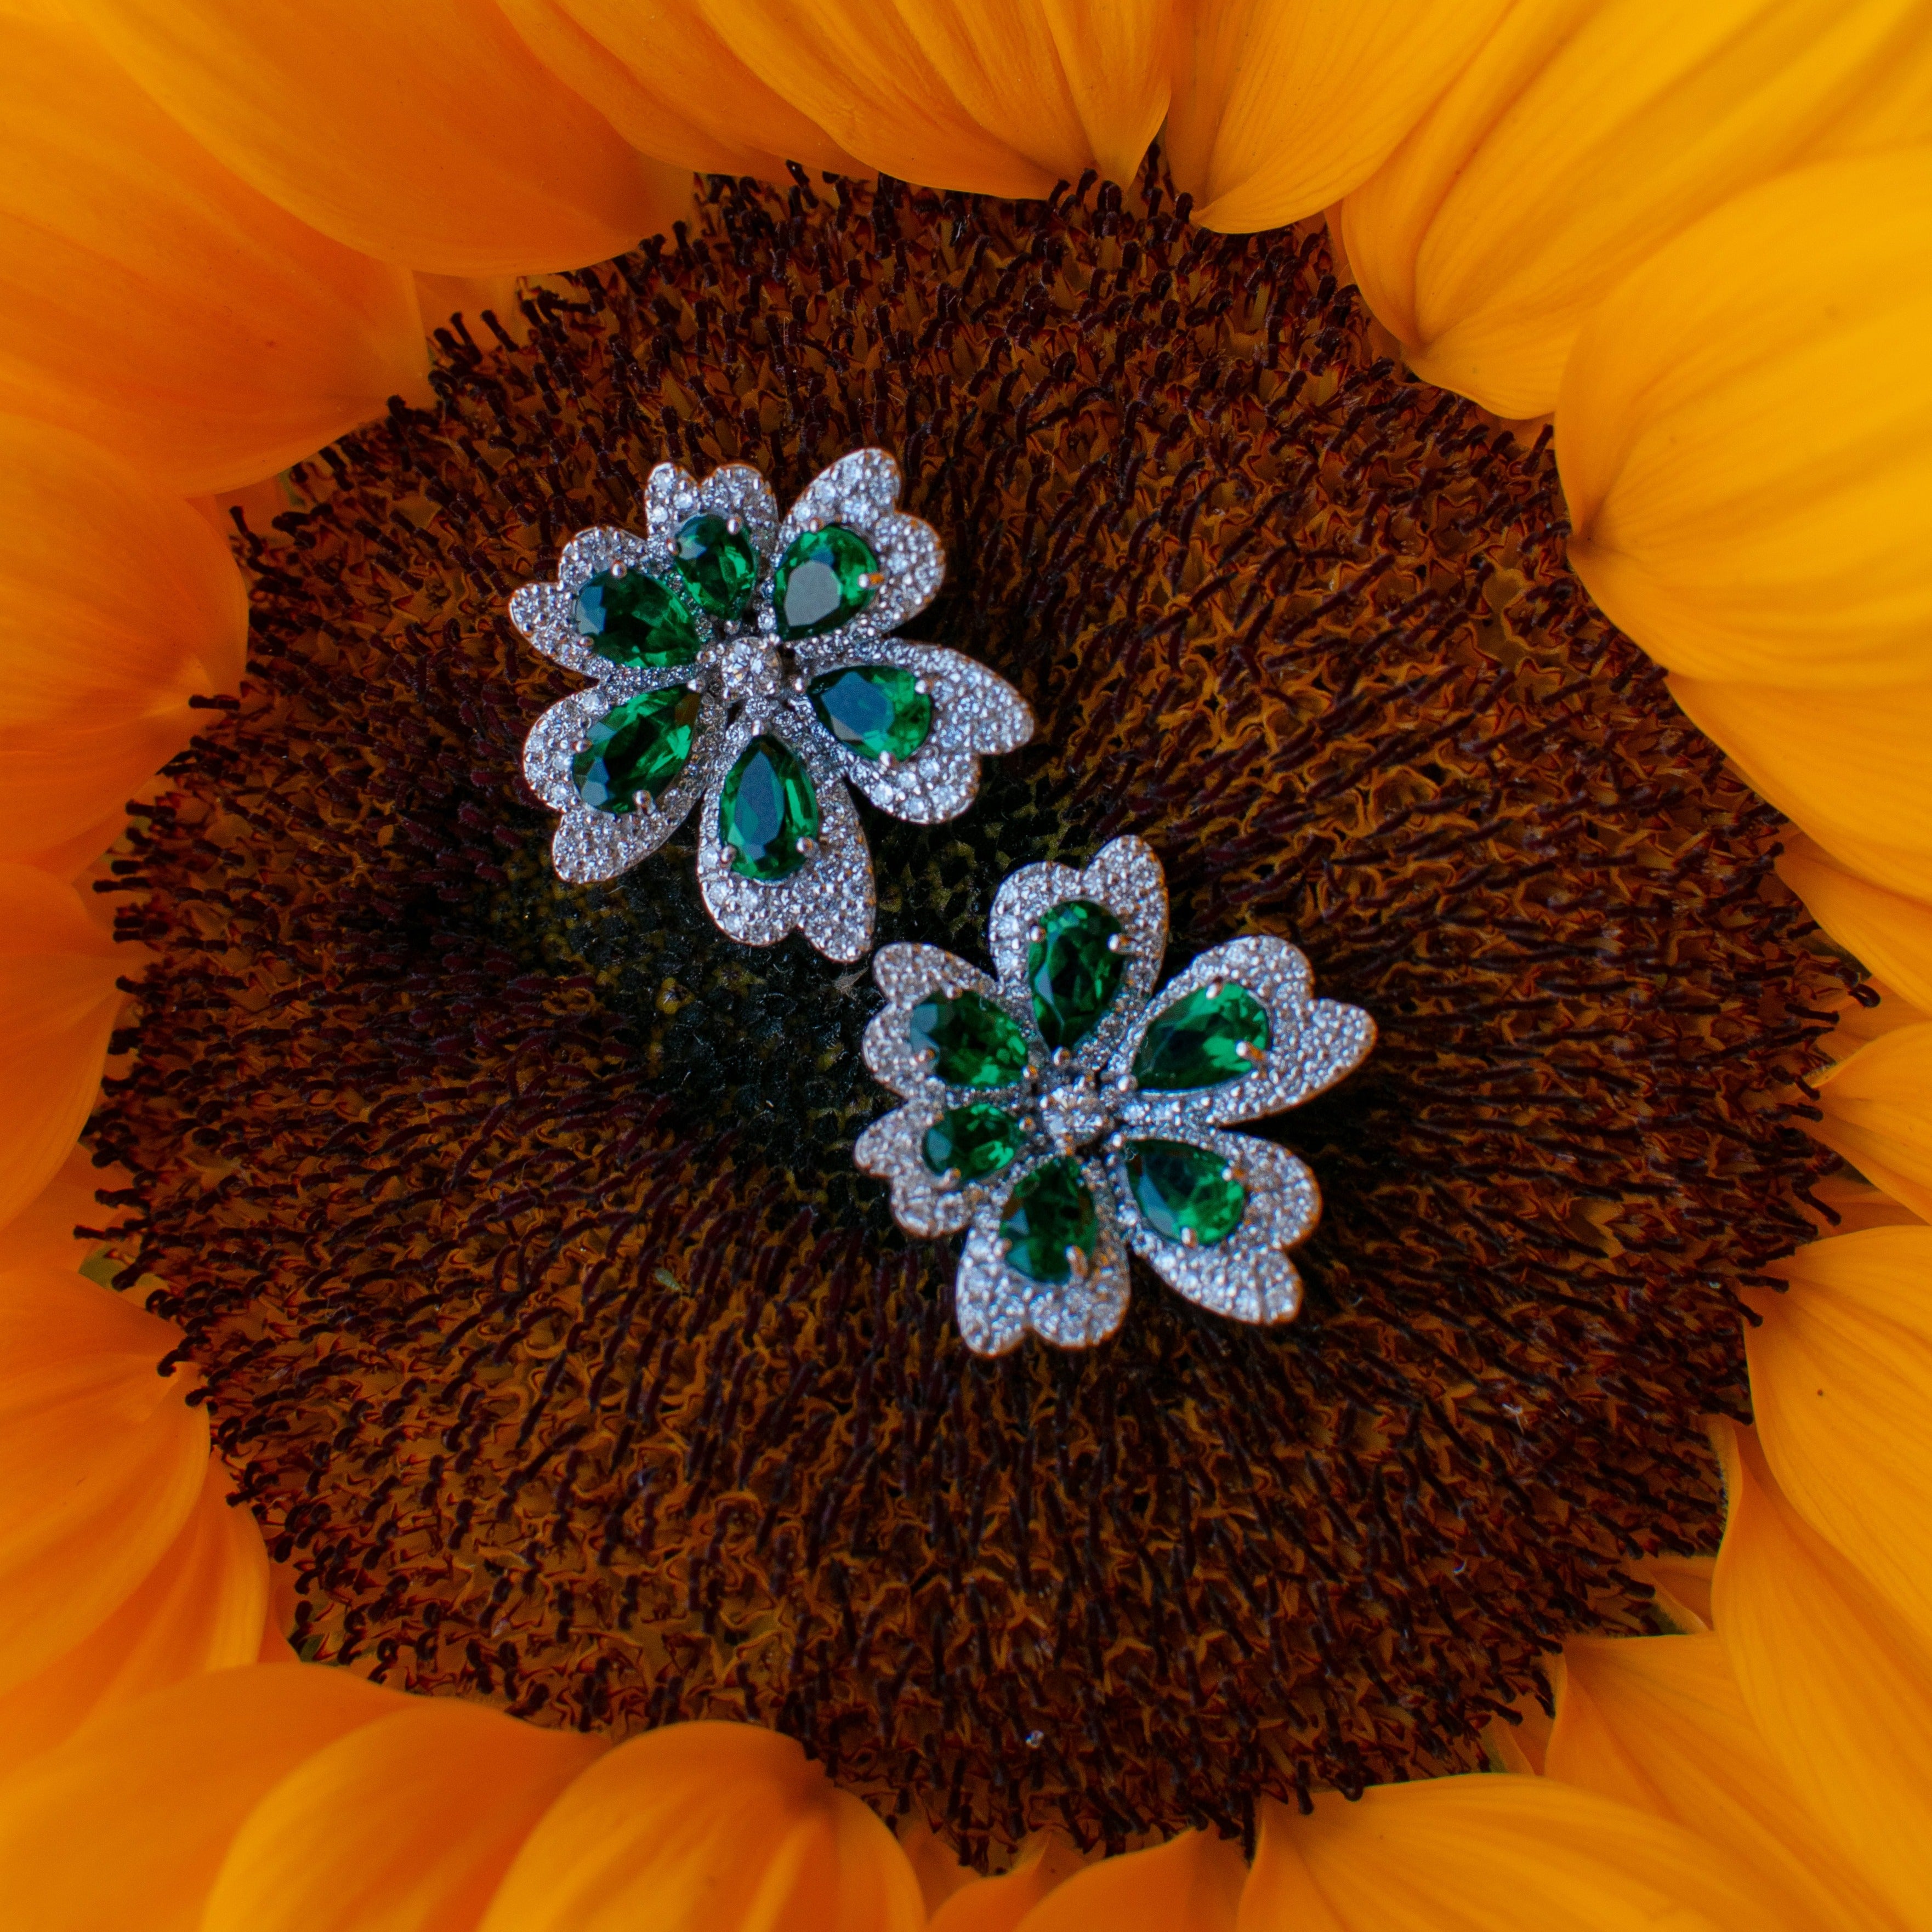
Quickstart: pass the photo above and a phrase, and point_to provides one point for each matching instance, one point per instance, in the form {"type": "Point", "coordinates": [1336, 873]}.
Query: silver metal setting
{"type": "Point", "coordinates": [750, 682]}
{"type": "Point", "coordinates": [1083, 1102]}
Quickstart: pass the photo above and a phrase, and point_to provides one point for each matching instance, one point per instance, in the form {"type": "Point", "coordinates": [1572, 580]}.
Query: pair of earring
{"type": "Point", "coordinates": [1062, 1111]}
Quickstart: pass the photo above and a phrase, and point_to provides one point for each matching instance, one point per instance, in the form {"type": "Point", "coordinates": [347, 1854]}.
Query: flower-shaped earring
{"type": "Point", "coordinates": [748, 662]}
{"type": "Point", "coordinates": [1067, 1112]}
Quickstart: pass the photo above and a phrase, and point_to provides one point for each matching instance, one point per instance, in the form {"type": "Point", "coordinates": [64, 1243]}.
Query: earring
{"type": "Point", "coordinates": [746, 665]}
{"type": "Point", "coordinates": [1065, 1112]}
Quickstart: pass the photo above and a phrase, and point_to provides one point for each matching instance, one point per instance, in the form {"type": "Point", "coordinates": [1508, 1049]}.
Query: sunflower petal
{"type": "Point", "coordinates": [1840, 1688]}
{"type": "Point", "coordinates": [428, 135]}
{"type": "Point", "coordinates": [41, 1235]}
{"type": "Point", "coordinates": [1746, 449]}
{"type": "Point", "coordinates": [126, 1824]}
{"type": "Point", "coordinates": [1192, 1883]}
{"type": "Point", "coordinates": [1890, 935]}
{"type": "Point", "coordinates": [1281, 107]}
{"type": "Point", "coordinates": [1659, 1722]}
{"type": "Point", "coordinates": [1000, 1904]}
{"type": "Point", "coordinates": [58, 1004]}
{"type": "Point", "coordinates": [1492, 1853]}
{"type": "Point", "coordinates": [1583, 136]}
{"type": "Point", "coordinates": [162, 308]}
{"type": "Point", "coordinates": [409, 1822]}
{"type": "Point", "coordinates": [710, 1827]}
{"type": "Point", "coordinates": [1878, 1115]}
{"type": "Point", "coordinates": [82, 726]}
{"type": "Point", "coordinates": [203, 1606]}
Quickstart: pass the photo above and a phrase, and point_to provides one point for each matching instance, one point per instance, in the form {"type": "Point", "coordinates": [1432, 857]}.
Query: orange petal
{"type": "Point", "coordinates": [1281, 107]}
{"type": "Point", "coordinates": [1192, 1883]}
{"type": "Point", "coordinates": [100, 1459]}
{"type": "Point", "coordinates": [999, 1904]}
{"type": "Point", "coordinates": [1491, 1852]}
{"type": "Point", "coordinates": [58, 1003]}
{"type": "Point", "coordinates": [1745, 439]}
{"type": "Point", "coordinates": [1838, 1686]}
{"type": "Point", "coordinates": [41, 1235]}
{"type": "Point", "coordinates": [156, 304]}
{"type": "Point", "coordinates": [1659, 1722]}
{"type": "Point", "coordinates": [126, 1826]}
{"type": "Point", "coordinates": [1849, 766]}
{"type": "Point", "coordinates": [202, 1607]}
{"type": "Point", "coordinates": [427, 134]}
{"type": "Point", "coordinates": [1839, 1372]}
{"type": "Point", "coordinates": [1878, 1114]}
{"type": "Point", "coordinates": [405, 1825]}
{"type": "Point", "coordinates": [707, 1827]}
{"type": "Point", "coordinates": [1890, 936]}
{"type": "Point", "coordinates": [83, 725]}
{"type": "Point", "coordinates": [1584, 136]}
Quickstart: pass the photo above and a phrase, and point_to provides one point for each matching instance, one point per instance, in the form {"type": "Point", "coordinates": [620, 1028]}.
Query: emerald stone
{"type": "Point", "coordinates": [972, 1141]}
{"type": "Point", "coordinates": [1185, 1190]}
{"type": "Point", "coordinates": [633, 620]}
{"type": "Point", "coordinates": [874, 709]}
{"type": "Point", "coordinates": [640, 745]}
{"type": "Point", "coordinates": [1072, 973]}
{"type": "Point", "coordinates": [1199, 1041]}
{"type": "Point", "coordinates": [715, 559]}
{"type": "Point", "coordinates": [1048, 1213]}
{"type": "Point", "coordinates": [767, 810]}
{"type": "Point", "coordinates": [973, 1042]}
{"type": "Point", "coordinates": [825, 579]}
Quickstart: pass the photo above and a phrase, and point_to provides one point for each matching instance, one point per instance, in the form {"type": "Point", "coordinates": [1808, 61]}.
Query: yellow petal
{"type": "Point", "coordinates": [1585, 135]}
{"type": "Point", "coordinates": [1840, 1369]}
{"type": "Point", "coordinates": [1849, 766]}
{"type": "Point", "coordinates": [1878, 1114]}
{"type": "Point", "coordinates": [1005, 99]}
{"type": "Point", "coordinates": [126, 1825]}
{"type": "Point", "coordinates": [202, 1607]}
{"type": "Point", "coordinates": [404, 1826]}
{"type": "Point", "coordinates": [1838, 1686]}
{"type": "Point", "coordinates": [1857, 1207]}
{"type": "Point", "coordinates": [427, 134]}
{"type": "Point", "coordinates": [1659, 1722]}
{"type": "Point", "coordinates": [1281, 107]}
{"type": "Point", "coordinates": [159, 306]}
{"type": "Point", "coordinates": [58, 1004]}
{"type": "Point", "coordinates": [41, 1235]}
{"type": "Point", "coordinates": [999, 1904]}
{"type": "Point", "coordinates": [1492, 1852]}
{"type": "Point", "coordinates": [707, 1827]}
{"type": "Point", "coordinates": [1192, 1883]}
{"type": "Point", "coordinates": [1890, 935]}
{"type": "Point", "coordinates": [1745, 437]}
{"type": "Point", "coordinates": [100, 1460]}
{"type": "Point", "coordinates": [82, 726]}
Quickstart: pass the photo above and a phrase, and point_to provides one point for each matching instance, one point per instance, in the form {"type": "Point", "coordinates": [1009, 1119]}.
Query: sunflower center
{"type": "Point", "coordinates": [514, 1224]}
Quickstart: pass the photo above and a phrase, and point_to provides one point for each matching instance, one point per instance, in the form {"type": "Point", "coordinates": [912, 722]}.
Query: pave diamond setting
{"type": "Point", "coordinates": [908, 732]}
{"type": "Point", "coordinates": [1214, 1213]}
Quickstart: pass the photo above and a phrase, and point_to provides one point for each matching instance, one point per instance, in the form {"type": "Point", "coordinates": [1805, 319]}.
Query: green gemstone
{"type": "Point", "coordinates": [1072, 975]}
{"type": "Point", "coordinates": [1184, 1190]}
{"type": "Point", "coordinates": [633, 620]}
{"type": "Point", "coordinates": [825, 579]}
{"type": "Point", "coordinates": [873, 709]}
{"type": "Point", "coordinates": [766, 808]}
{"type": "Point", "coordinates": [1049, 1212]}
{"type": "Point", "coordinates": [640, 745]}
{"type": "Point", "coordinates": [972, 1141]}
{"type": "Point", "coordinates": [1198, 1041]}
{"type": "Point", "coordinates": [717, 564]}
{"type": "Point", "coordinates": [973, 1042]}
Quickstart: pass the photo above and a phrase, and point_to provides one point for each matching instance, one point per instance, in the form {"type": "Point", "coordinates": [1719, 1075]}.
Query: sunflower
{"type": "Point", "coordinates": [1452, 478]}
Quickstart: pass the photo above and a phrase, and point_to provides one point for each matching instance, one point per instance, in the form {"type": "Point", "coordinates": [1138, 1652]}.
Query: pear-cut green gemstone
{"type": "Point", "coordinates": [640, 745]}
{"type": "Point", "coordinates": [766, 808]}
{"type": "Point", "coordinates": [873, 709]}
{"type": "Point", "coordinates": [1185, 1190]}
{"type": "Point", "coordinates": [717, 564]}
{"type": "Point", "coordinates": [1200, 1041]}
{"type": "Point", "coordinates": [633, 620]}
{"type": "Point", "coordinates": [825, 579]}
{"type": "Point", "coordinates": [1072, 973]}
{"type": "Point", "coordinates": [1049, 1213]}
{"type": "Point", "coordinates": [972, 1141]}
{"type": "Point", "coordinates": [973, 1042]}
